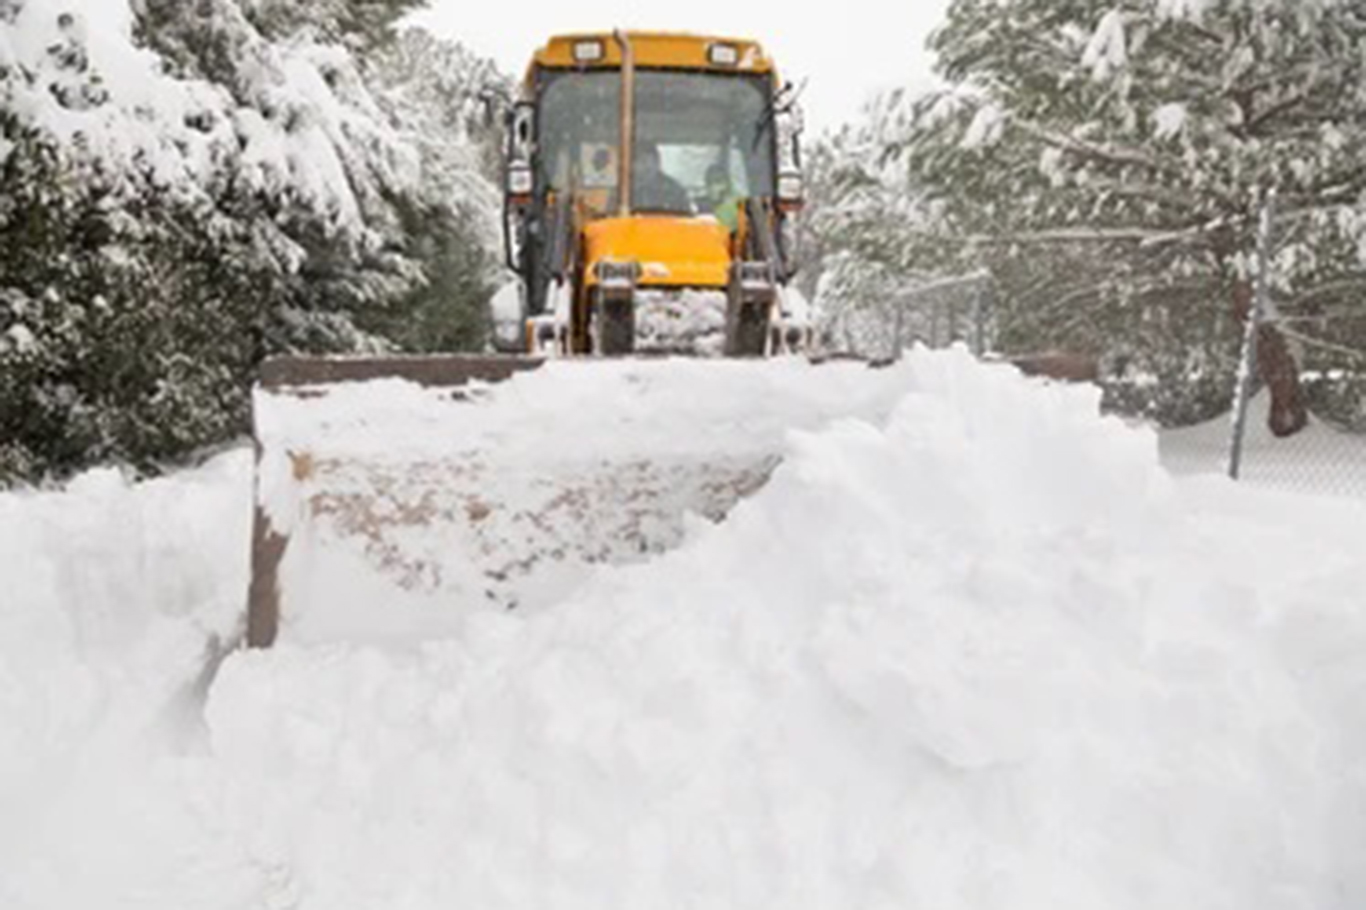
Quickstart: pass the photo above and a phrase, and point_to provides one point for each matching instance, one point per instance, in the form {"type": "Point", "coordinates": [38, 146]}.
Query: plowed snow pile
{"type": "Point", "coordinates": [112, 601]}
{"type": "Point", "coordinates": [435, 501]}
{"type": "Point", "coordinates": [979, 653]}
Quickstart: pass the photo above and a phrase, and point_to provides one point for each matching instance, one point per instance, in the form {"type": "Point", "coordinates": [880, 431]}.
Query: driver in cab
{"type": "Point", "coordinates": [654, 190]}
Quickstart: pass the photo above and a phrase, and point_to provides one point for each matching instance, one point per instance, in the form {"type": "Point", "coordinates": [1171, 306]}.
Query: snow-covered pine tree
{"type": "Point", "coordinates": [874, 260]}
{"type": "Point", "coordinates": [857, 232]}
{"type": "Point", "coordinates": [433, 92]}
{"type": "Point", "coordinates": [1153, 129]}
{"type": "Point", "coordinates": [360, 25]}
{"type": "Point", "coordinates": [188, 186]}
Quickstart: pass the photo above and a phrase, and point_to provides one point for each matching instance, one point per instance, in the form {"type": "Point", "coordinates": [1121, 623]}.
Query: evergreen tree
{"type": "Point", "coordinates": [433, 92]}
{"type": "Point", "coordinates": [877, 266]}
{"type": "Point", "coordinates": [186, 187]}
{"type": "Point", "coordinates": [1151, 131]}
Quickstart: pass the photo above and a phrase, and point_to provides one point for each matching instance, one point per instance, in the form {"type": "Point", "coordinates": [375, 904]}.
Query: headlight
{"type": "Point", "coordinates": [587, 51]}
{"type": "Point", "coordinates": [520, 181]}
{"type": "Point", "coordinates": [617, 273]}
{"type": "Point", "coordinates": [791, 187]}
{"type": "Point", "coordinates": [723, 55]}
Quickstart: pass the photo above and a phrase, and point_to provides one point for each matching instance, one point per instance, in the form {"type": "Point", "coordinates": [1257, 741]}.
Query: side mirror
{"type": "Point", "coordinates": [518, 175]}
{"type": "Point", "coordinates": [522, 131]}
{"type": "Point", "coordinates": [792, 109]}
{"type": "Point", "coordinates": [494, 98]}
{"type": "Point", "coordinates": [791, 125]}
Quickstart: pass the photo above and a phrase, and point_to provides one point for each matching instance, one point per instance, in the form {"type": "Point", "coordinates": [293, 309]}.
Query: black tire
{"type": "Point", "coordinates": [617, 327]}
{"type": "Point", "coordinates": [749, 331]}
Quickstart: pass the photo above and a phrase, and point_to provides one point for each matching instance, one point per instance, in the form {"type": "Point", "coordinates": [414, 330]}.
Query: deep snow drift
{"type": "Point", "coordinates": [977, 652]}
{"type": "Point", "coordinates": [115, 601]}
{"type": "Point", "coordinates": [433, 500]}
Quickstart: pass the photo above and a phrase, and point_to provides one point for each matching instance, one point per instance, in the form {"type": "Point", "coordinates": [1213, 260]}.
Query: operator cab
{"type": "Point", "coordinates": [646, 161]}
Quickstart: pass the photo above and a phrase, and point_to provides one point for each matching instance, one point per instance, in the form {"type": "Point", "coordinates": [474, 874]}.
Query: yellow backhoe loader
{"type": "Point", "coordinates": [650, 184]}
{"type": "Point", "coordinates": [651, 181]}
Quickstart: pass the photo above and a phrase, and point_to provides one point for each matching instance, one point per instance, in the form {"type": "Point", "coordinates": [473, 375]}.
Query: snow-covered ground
{"type": "Point", "coordinates": [1320, 459]}
{"type": "Point", "coordinates": [972, 647]}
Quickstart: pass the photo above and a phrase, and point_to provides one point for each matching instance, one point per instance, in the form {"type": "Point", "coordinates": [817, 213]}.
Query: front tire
{"type": "Point", "coordinates": [615, 319]}
{"type": "Point", "coordinates": [748, 327]}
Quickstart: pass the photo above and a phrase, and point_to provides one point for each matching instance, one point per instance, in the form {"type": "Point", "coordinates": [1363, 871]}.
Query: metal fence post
{"type": "Point", "coordinates": [899, 344]}
{"type": "Point", "coordinates": [979, 320]}
{"type": "Point", "coordinates": [1256, 311]}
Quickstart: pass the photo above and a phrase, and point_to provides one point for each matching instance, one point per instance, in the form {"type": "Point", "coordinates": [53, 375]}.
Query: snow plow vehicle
{"type": "Point", "coordinates": [651, 180]}
{"type": "Point", "coordinates": [651, 184]}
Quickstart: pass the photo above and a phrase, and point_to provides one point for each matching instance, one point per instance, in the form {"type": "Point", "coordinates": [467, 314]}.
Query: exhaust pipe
{"type": "Point", "coordinates": [628, 119]}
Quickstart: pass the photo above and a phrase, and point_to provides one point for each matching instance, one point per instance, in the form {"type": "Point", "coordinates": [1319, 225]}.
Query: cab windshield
{"type": "Point", "coordinates": [698, 137]}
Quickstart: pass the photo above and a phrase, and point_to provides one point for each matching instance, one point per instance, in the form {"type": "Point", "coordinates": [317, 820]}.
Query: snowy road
{"type": "Point", "coordinates": [978, 651]}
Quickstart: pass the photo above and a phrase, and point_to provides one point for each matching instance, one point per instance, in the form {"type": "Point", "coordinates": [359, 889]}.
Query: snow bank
{"type": "Point", "coordinates": [976, 650]}
{"type": "Point", "coordinates": [977, 654]}
{"type": "Point", "coordinates": [435, 502]}
{"type": "Point", "coordinates": [98, 573]}
{"type": "Point", "coordinates": [115, 598]}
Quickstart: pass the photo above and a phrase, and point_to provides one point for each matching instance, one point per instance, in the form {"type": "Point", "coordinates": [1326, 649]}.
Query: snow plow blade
{"type": "Point", "coordinates": [307, 377]}
{"type": "Point", "coordinates": [395, 495]}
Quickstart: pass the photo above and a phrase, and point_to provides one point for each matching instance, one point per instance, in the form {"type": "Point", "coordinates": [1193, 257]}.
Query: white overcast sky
{"type": "Point", "coordinates": [845, 49]}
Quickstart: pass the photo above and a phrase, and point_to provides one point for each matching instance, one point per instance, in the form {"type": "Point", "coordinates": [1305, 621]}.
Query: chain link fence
{"type": "Point", "coordinates": [885, 319]}
{"type": "Point", "coordinates": [1327, 456]}
{"type": "Point", "coordinates": [1225, 405]}
{"type": "Point", "coordinates": [1304, 427]}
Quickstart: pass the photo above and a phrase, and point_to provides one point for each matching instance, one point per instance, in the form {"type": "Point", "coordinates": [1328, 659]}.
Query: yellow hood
{"type": "Point", "coordinates": [672, 251]}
